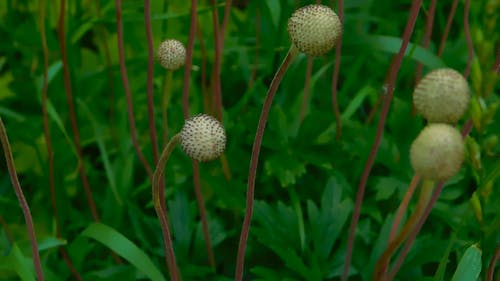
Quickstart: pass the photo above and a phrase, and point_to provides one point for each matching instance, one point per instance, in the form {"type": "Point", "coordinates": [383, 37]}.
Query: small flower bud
{"type": "Point", "coordinates": [442, 96]}
{"type": "Point", "coordinates": [314, 29]}
{"type": "Point", "coordinates": [203, 138]}
{"type": "Point", "coordinates": [438, 152]}
{"type": "Point", "coordinates": [171, 54]}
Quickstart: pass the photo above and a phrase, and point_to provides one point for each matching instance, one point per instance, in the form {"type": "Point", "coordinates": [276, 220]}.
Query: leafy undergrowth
{"type": "Point", "coordinates": [307, 178]}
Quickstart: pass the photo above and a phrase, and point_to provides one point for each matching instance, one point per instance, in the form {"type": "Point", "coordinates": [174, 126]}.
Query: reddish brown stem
{"type": "Point", "coordinates": [307, 86]}
{"type": "Point", "coordinates": [48, 140]}
{"type": "Point", "coordinates": [126, 88]}
{"type": "Point", "coordinates": [389, 85]}
{"type": "Point", "coordinates": [203, 213]}
{"type": "Point", "coordinates": [403, 206]}
{"type": "Point", "coordinates": [253, 75]}
{"type": "Point", "coordinates": [437, 190]}
{"type": "Point", "coordinates": [189, 58]}
{"type": "Point", "coordinates": [254, 161]}
{"type": "Point", "coordinates": [496, 65]}
{"type": "Point", "coordinates": [468, 38]}
{"type": "Point", "coordinates": [151, 113]}
{"type": "Point", "coordinates": [447, 28]}
{"type": "Point", "coordinates": [72, 114]}
{"type": "Point", "coordinates": [161, 210]}
{"type": "Point", "coordinates": [427, 36]}
{"type": "Point", "coordinates": [493, 262]}
{"type": "Point", "coordinates": [216, 83]}
{"type": "Point", "coordinates": [336, 71]}
{"type": "Point", "coordinates": [22, 200]}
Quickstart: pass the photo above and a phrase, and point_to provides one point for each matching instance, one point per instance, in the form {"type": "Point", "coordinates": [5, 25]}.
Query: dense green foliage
{"type": "Point", "coordinates": [307, 179]}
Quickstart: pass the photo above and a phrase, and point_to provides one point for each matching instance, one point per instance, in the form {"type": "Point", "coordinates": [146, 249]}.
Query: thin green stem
{"type": "Point", "coordinates": [252, 174]}
{"type": "Point", "coordinates": [161, 210]}
{"type": "Point", "coordinates": [22, 200]}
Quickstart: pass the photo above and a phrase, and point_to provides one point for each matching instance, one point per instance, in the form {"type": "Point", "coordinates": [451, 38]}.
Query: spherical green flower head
{"type": "Point", "coordinates": [442, 96]}
{"type": "Point", "coordinates": [438, 152]}
{"type": "Point", "coordinates": [314, 29]}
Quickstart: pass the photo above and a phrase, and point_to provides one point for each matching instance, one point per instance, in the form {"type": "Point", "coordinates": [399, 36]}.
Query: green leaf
{"type": "Point", "coordinates": [275, 11]}
{"type": "Point", "coordinates": [114, 240]}
{"type": "Point", "coordinates": [393, 44]}
{"type": "Point", "coordinates": [17, 262]}
{"type": "Point", "coordinates": [469, 266]}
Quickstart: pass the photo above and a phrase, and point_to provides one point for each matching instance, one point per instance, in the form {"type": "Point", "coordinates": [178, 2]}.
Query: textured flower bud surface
{"type": "Point", "coordinates": [442, 96]}
{"type": "Point", "coordinates": [203, 138]}
{"type": "Point", "coordinates": [314, 29]}
{"type": "Point", "coordinates": [171, 54]}
{"type": "Point", "coordinates": [438, 152]}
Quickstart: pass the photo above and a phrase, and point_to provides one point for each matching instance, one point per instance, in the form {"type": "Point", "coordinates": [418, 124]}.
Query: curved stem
{"type": "Point", "coordinates": [380, 272]}
{"type": "Point", "coordinates": [427, 37]}
{"type": "Point", "coordinates": [240, 260]}
{"type": "Point", "coordinates": [437, 190]}
{"type": "Point", "coordinates": [161, 210]}
{"type": "Point", "coordinates": [389, 85]}
{"type": "Point", "coordinates": [493, 262]}
{"type": "Point", "coordinates": [22, 200]}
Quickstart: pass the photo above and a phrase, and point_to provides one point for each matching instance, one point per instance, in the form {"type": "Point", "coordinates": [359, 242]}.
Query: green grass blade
{"type": "Point", "coordinates": [469, 266]}
{"type": "Point", "coordinates": [114, 240]}
{"type": "Point", "coordinates": [102, 148]}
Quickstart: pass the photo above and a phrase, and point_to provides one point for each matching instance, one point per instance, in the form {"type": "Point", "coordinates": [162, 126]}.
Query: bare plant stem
{"type": "Point", "coordinates": [380, 272]}
{"type": "Point", "coordinates": [336, 71]}
{"type": "Point", "coordinates": [389, 85]}
{"type": "Point", "coordinates": [254, 161]}
{"type": "Point", "coordinates": [447, 28]}
{"type": "Point", "coordinates": [161, 210]}
{"type": "Point", "coordinates": [189, 58]}
{"type": "Point", "coordinates": [496, 65]}
{"type": "Point", "coordinates": [151, 111]}
{"type": "Point", "coordinates": [72, 114]}
{"type": "Point", "coordinates": [402, 207]}
{"type": "Point", "coordinates": [216, 83]}
{"type": "Point", "coordinates": [165, 100]}
{"type": "Point", "coordinates": [22, 200]}
{"type": "Point", "coordinates": [203, 214]}
{"type": "Point", "coordinates": [307, 86]}
{"type": "Point", "coordinates": [126, 88]}
{"type": "Point", "coordinates": [253, 75]}
{"type": "Point", "coordinates": [468, 38]}
{"type": "Point", "coordinates": [185, 107]}
{"type": "Point", "coordinates": [48, 140]}
{"type": "Point", "coordinates": [427, 37]}
{"type": "Point", "coordinates": [493, 262]}
{"type": "Point", "coordinates": [437, 190]}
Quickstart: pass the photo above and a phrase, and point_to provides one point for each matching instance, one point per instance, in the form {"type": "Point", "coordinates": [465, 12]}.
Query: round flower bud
{"type": "Point", "coordinates": [171, 54]}
{"type": "Point", "coordinates": [314, 29]}
{"type": "Point", "coordinates": [438, 152]}
{"type": "Point", "coordinates": [203, 138]}
{"type": "Point", "coordinates": [442, 96]}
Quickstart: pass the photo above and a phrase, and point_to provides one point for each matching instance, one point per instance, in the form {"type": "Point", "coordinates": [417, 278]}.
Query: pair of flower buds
{"type": "Point", "coordinates": [313, 30]}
